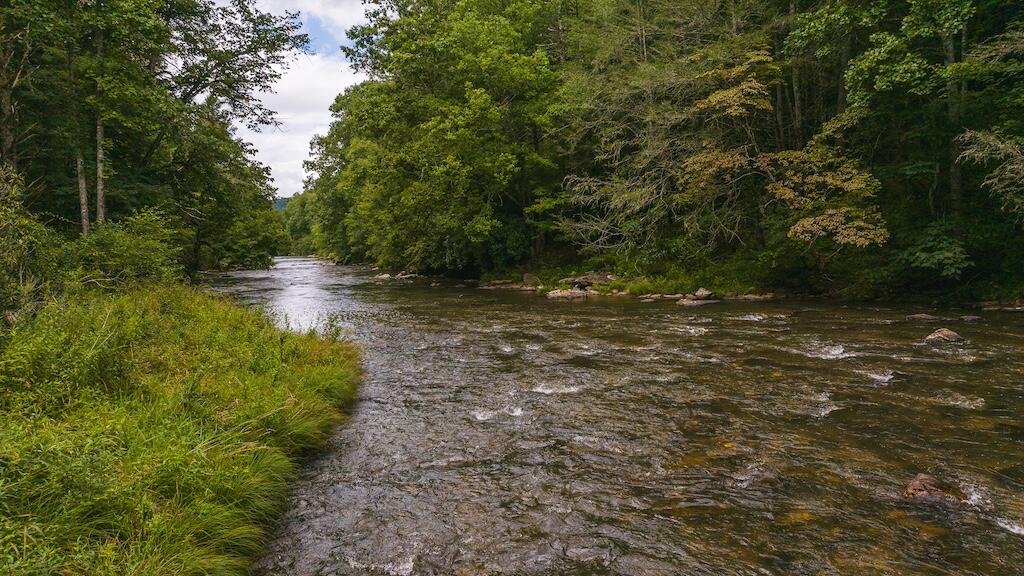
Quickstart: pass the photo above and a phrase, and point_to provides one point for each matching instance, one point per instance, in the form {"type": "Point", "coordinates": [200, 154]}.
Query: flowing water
{"type": "Point", "coordinates": [501, 433]}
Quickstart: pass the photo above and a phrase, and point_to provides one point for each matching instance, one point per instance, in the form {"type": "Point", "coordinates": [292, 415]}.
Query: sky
{"type": "Point", "coordinates": [303, 96]}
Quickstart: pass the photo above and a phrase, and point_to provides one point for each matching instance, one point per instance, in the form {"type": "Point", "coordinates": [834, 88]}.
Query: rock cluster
{"type": "Point", "coordinates": [701, 297]}
{"type": "Point", "coordinates": [570, 294]}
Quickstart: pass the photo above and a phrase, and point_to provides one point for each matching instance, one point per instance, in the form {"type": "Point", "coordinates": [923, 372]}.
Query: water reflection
{"type": "Point", "coordinates": [500, 433]}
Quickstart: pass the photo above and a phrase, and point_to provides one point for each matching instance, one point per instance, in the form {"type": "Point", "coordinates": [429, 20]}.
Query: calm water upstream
{"type": "Point", "coordinates": [502, 433]}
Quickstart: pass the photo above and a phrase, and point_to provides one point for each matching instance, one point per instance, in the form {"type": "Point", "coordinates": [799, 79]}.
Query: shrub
{"type": "Point", "coordinates": [28, 250]}
{"type": "Point", "coordinates": [139, 249]}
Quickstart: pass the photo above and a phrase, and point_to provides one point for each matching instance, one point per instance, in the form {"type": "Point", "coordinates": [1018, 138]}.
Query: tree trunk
{"type": "Point", "coordinates": [844, 63]}
{"type": "Point", "coordinates": [101, 199]}
{"type": "Point", "coordinates": [798, 110]}
{"type": "Point", "coordinates": [7, 128]}
{"type": "Point", "coordinates": [953, 111]}
{"type": "Point", "coordinates": [83, 190]}
{"type": "Point", "coordinates": [780, 120]}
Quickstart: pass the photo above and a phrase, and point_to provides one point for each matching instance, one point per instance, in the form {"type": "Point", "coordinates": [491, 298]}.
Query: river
{"type": "Point", "coordinates": [498, 432]}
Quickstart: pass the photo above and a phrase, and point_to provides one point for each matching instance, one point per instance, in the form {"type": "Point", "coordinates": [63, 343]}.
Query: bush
{"type": "Point", "coordinates": [28, 251]}
{"type": "Point", "coordinates": [142, 248]}
{"type": "Point", "coordinates": [251, 242]}
{"type": "Point", "coordinates": [154, 432]}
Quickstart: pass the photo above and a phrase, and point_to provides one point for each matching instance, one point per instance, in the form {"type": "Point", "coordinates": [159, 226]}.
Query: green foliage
{"type": "Point", "coordinates": [154, 432]}
{"type": "Point", "coordinates": [431, 165]}
{"type": "Point", "coordinates": [28, 250]}
{"type": "Point", "coordinates": [252, 241]}
{"type": "Point", "coordinates": [937, 248]}
{"type": "Point", "coordinates": [142, 248]}
{"type": "Point", "coordinates": [148, 92]}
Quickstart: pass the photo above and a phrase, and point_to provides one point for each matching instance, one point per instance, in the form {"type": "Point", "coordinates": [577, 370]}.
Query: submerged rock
{"type": "Point", "coordinates": [696, 302]}
{"type": "Point", "coordinates": [970, 318]}
{"type": "Point", "coordinates": [571, 294]}
{"type": "Point", "coordinates": [923, 318]}
{"type": "Point", "coordinates": [943, 336]}
{"type": "Point", "coordinates": [928, 487]}
{"type": "Point", "coordinates": [753, 297]}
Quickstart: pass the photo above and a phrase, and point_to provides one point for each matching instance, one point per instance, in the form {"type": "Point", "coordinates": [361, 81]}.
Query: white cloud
{"type": "Point", "coordinates": [302, 100]}
{"type": "Point", "coordinates": [304, 94]}
{"type": "Point", "coordinates": [335, 15]}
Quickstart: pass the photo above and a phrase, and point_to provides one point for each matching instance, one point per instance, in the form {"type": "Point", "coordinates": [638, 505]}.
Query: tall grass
{"type": "Point", "coordinates": [154, 432]}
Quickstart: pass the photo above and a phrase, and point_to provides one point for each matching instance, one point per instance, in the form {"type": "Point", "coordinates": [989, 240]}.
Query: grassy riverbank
{"type": "Point", "coordinates": [154, 432]}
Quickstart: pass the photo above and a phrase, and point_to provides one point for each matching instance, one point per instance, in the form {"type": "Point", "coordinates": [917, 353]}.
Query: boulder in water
{"type": "Point", "coordinates": [928, 487]}
{"type": "Point", "coordinates": [696, 302]}
{"type": "Point", "coordinates": [970, 318]}
{"type": "Point", "coordinates": [570, 294]}
{"type": "Point", "coordinates": [703, 294]}
{"type": "Point", "coordinates": [922, 318]}
{"type": "Point", "coordinates": [944, 336]}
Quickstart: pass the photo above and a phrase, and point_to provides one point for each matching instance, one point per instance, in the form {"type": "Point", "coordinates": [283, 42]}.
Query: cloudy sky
{"type": "Point", "coordinates": [304, 94]}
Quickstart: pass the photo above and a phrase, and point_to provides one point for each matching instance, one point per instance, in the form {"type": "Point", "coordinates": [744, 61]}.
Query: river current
{"type": "Point", "coordinates": [498, 432]}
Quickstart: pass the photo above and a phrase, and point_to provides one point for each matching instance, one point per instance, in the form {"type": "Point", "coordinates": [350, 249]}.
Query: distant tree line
{"type": "Point", "coordinates": [841, 146]}
{"type": "Point", "coordinates": [109, 107]}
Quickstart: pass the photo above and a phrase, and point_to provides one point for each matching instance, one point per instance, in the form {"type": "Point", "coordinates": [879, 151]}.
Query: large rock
{"type": "Point", "coordinates": [943, 336]}
{"type": "Point", "coordinates": [928, 487]}
{"type": "Point", "coordinates": [703, 294]}
{"type": "Point", "coordinates": [570, 294]}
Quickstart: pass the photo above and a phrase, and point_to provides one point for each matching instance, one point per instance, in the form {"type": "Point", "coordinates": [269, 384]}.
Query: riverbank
{"type": "Point", "coordinates": [155, 432]}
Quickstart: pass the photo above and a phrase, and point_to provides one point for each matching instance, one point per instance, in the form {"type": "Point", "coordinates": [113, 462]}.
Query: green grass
{"type": "Point", "coordinates": [155, 432]}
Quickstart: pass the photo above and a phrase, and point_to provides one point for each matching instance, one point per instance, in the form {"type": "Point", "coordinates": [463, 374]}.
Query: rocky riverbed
{"type": "Point", "coordinates": [500, 432]}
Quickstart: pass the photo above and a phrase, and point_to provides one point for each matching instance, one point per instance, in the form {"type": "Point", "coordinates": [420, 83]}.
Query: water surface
{"type": "Point", "coordinates": [501, 433]}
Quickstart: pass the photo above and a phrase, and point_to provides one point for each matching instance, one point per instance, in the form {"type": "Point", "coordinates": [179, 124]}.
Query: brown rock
{"type": "Point", "coordinates": [922, 318]}
{"type": "Point", "coordinates": [927, 487]}
{"type": "Point", "coordinates": [704, 294]}
{"type": "Point", "coordinates": [944, 336]}
{"type": "Point", "coordinates": [571, 294]}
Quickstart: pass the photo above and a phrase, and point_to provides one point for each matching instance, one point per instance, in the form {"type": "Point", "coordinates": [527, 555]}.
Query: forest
{"type": "Point", "coordinates": [858, 149]}
{"type": "Point", "coordinates": [111, 108]}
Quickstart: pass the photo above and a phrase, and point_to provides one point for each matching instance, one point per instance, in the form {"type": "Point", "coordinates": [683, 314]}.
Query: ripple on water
{"type": "Point", "coordinates": [880, 377]}
{"type": "Point", "coordinates": [1010, 526]}
{"type": "Point", "coordinates": [486, 442]}
{"type": "Point", "coordinates": [550, 389]}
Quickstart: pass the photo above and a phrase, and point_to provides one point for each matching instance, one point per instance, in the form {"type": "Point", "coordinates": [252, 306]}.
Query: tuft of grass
{"type": "Point", "coordinates": [155, 432]}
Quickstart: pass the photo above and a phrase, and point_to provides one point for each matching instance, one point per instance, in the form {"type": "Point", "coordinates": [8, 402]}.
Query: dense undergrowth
{"type": "Point", "coordinates": [154, 432]}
